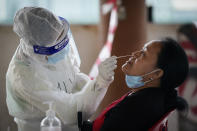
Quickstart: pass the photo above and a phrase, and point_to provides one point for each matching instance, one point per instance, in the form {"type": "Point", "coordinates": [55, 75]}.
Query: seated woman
{"type": "Point", "coordinates": [153, 74]}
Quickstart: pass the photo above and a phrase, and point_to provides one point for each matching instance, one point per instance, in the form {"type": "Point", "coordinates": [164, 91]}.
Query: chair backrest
{"type": "Point", "coordinates": [162, 124]}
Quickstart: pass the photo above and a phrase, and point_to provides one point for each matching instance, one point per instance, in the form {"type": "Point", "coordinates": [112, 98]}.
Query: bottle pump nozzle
{"type": "Point", "coordinates": [50, 112]}
{"type": "Point", "coordinates": [50, 122]}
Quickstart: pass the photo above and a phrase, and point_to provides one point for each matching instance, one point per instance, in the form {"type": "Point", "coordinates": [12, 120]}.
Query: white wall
{"type": "Point", "coordinates": [158, 31]}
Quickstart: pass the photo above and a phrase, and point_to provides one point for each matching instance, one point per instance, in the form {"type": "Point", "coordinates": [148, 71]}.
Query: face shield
{"type": "Point", "coordinates": [45, 32]}
{"type": "Point", "coordinates": [38, 26]}
{"type": "Point", "coordinates": [64, 45]}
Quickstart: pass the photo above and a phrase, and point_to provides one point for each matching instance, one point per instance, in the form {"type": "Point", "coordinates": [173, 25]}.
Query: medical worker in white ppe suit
{"type": "Point", "coordinates": [45, 67]}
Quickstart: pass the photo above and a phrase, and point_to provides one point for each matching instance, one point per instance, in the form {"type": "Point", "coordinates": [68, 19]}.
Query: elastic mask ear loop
{"type": "Point", "coordinates": [150, 79]}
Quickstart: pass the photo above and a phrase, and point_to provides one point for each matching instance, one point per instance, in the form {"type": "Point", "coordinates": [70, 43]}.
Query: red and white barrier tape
{"type": "Point", "coordinates": [106, 50]}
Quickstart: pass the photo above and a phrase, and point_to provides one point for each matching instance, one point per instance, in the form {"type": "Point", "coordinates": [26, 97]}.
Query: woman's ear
{"type": "Point", "coordinates": [158, 73]}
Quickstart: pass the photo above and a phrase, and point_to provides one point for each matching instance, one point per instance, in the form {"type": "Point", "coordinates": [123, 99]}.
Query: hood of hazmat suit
{"type": "Point", "coordinates": [32, 80]}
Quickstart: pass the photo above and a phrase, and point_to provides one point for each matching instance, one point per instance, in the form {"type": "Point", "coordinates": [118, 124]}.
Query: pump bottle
{"type": "Point", "coordinates": [50, 122]}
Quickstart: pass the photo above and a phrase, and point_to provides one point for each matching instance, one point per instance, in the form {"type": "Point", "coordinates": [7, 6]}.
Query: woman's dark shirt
{"type": "Point", "coordinates": [136, 112]}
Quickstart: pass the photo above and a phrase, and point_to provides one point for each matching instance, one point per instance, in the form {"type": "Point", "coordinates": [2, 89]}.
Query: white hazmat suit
{"type": "Point", "coordinates": [31, 79]}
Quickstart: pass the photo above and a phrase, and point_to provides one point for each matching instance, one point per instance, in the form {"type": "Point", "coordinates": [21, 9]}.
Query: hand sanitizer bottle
{"type": "Point", "coordinates": [50, 122]}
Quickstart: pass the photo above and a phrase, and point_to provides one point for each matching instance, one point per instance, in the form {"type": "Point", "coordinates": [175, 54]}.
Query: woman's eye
{"type": "Point", "coordinates": [143, 53]}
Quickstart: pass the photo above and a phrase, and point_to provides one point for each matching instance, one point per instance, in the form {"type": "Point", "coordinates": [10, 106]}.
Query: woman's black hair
{"type": "Point", "coordinates": [173, 61]}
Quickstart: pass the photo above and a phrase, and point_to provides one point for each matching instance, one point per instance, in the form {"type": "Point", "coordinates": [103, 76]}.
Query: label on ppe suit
{"type": "Point", "coordinates": [51, 129]}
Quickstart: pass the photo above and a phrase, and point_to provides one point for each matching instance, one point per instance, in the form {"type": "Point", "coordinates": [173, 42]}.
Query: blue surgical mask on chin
{"type": "Point", "coordinates": [134, 81]}
{"type": "Point", "coordinates": [53, 59]}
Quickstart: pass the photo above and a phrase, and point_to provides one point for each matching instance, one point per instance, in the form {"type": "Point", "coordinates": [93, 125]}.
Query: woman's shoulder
{"type": "Point", "coordinates": [151, 100]}
{"type": "Point", "coordinates": [144, 107]}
